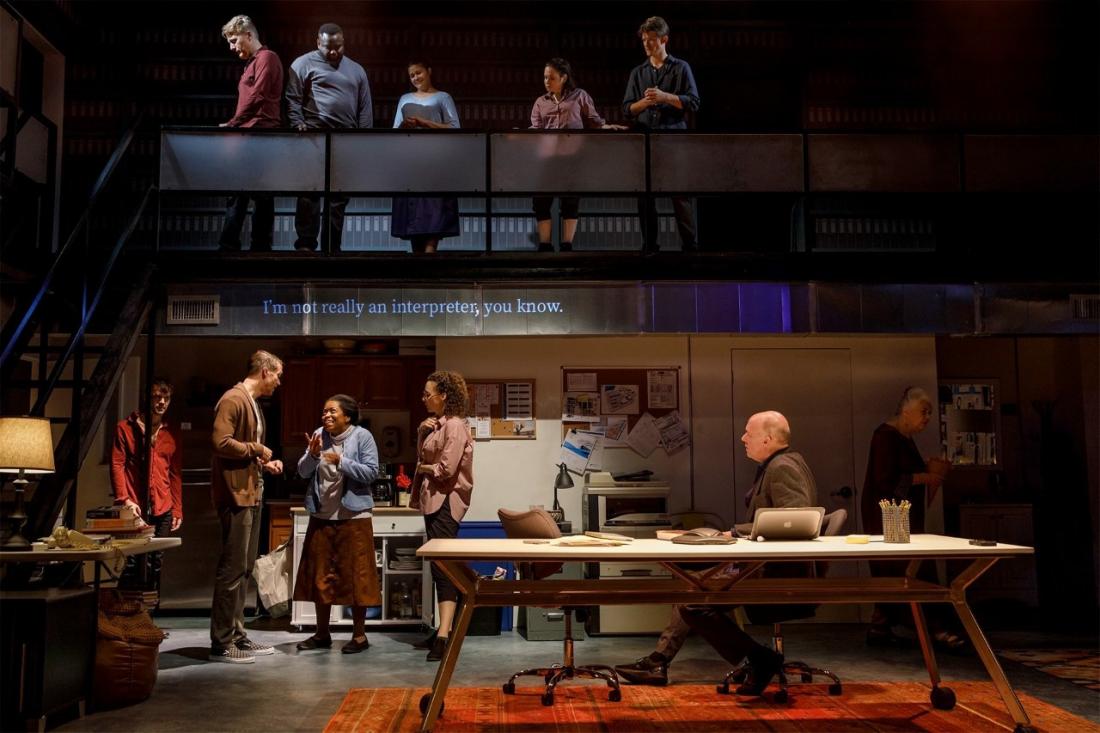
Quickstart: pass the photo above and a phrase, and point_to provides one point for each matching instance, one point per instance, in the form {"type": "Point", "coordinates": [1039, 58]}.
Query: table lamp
{"type": "Point", "coordinates": [563, 481]}
{"type": "Point", "coordinates": [26, 446]}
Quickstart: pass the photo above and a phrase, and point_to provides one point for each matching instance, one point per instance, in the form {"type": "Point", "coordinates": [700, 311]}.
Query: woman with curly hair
{"type": "Point", "coordinates": [443, 483]}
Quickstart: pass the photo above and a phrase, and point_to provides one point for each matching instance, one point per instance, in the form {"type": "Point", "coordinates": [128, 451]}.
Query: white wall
{"type": "Point", "coordinates": [517, 474]}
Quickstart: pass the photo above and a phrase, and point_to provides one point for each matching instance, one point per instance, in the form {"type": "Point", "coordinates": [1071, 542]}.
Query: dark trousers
{"type": "Point", "coordinates": [240, 543]}
{"type": "Point", "coordinates": [441, 525]}
{"type": "Point", "coordinates": [722, 632]}
{"type": "Point", "coordinates": [263, 222]}
{"type": "Point", "coordinates": [307, 221]}
{"type": "Point", "coordinates": [143, 571]}
{"type": "Point", "coordinates": [685, 222]}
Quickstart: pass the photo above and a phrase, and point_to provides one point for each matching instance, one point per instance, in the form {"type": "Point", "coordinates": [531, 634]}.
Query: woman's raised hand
{"type": "Point", "coordinates": [314, 447]}
{"type": "Point", "coordinates": [428, 425]}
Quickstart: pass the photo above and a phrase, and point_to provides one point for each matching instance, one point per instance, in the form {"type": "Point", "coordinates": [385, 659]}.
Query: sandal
{"type": "Point", "coordinates": [883, 636]}
{"type": "Point", "coordinates": [951, 643]}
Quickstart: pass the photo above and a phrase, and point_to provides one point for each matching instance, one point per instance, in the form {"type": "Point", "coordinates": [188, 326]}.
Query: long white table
{"type": "Point", "coordinates": [726, 584]}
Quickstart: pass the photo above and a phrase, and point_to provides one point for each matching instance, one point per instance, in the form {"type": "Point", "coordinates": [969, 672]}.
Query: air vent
{"type": "Point", "coordinates": [193, 310]}
{"type": "Point", "coordinates": [1086, 307]}
{"type": "Point", "coordinates": [864, 234]}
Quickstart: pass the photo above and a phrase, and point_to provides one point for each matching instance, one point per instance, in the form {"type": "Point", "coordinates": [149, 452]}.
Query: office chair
{"type": "Point", "coordinates": [538, 524]}
{"type": "Point", "coordinates": [831, 525]}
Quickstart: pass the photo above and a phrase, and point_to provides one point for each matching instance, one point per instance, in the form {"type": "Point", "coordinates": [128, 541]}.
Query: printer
{"type": "Point", "coordinates": [636, 506]}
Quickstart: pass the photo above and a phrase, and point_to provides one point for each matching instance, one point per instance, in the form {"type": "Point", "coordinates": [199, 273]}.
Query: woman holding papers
{"type": "Point", "coordinates": [337, 565]}
{"type": "Point", "coordinates": [443, 483]}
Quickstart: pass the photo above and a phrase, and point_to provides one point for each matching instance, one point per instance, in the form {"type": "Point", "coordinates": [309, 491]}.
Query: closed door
{"type": "Point", "coordinates": [813, 389]}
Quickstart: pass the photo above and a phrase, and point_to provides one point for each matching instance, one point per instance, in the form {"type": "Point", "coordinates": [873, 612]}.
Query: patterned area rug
{"type": "Point", "coordinates": [584, 708]}
{"type": "Point", "coordinates": [1080, 666]}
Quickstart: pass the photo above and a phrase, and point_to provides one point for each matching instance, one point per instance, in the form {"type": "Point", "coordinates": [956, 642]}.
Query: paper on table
{"type": "Point", "coordinates": [661, 388]}
{"type": "Point", "coordinates": [644, 436]}
{"type": "Point", "coordinates": [619, 399]}
{"type": "Point", "coordinates": [576, 449]}
{"type": "Point", "coordinates": [674, 433]}
{"type": "Point", "coordinates": [580, 382]}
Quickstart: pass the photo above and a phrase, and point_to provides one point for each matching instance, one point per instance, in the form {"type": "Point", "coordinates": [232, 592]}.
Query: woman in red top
{"type": "Point", "coordinates": [443, 483]}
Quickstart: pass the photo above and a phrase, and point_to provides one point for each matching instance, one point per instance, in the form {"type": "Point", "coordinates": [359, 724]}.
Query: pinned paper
{"type": "Point", "coordinates": [576, 449]}
{"type": "Point", "coordinates": [673, 431]}
{"type": "Point", "coordinates": [619, 399]}
{"type": "Point", "coordinates": [518, 400]}
{"type": "Point", "coordinates": [644, 436]}
{"type": "Point", "coordinates": [661, 389]}
{"type": "Point", "coordinates": [581, 406]}
{"type": "Point", "coordinates": [580, 382]}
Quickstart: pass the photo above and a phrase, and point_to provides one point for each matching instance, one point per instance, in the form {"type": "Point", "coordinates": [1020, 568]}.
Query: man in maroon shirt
{"type": "Point", "coordinates": [258, 98]}
{"type": "Point", "coordinates": [162, 507]}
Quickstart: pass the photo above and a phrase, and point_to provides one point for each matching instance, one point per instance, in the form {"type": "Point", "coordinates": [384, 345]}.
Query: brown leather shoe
{"type": "Point", "coordinates": [646, 671]}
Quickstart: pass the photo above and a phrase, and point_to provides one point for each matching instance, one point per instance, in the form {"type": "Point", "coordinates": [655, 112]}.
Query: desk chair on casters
{"type": "Point", "coordinates": [538, 524]}
{"type": "Point", "coordinates": [831, 525]}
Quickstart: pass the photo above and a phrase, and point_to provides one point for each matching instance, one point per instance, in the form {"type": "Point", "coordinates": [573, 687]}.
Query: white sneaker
{"type": "Point", "coordinates": [256, 650]}
{"type": "Point", "coordinates": [232, 655]}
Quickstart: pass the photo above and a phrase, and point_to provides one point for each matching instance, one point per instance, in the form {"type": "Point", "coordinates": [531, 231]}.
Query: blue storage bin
{"type": "Point", "coordinates": [489, 530]}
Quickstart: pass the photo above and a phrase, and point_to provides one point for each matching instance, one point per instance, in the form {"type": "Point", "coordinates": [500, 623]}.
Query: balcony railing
{"type": "Point", "coordinates": [492, 171]}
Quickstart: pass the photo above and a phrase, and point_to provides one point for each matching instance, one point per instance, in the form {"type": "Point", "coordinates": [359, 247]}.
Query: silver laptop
{"type": "Point", "coordinates": [787, 523]}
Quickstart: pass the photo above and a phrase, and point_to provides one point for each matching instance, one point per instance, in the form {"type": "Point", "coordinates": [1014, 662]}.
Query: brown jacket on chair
{"type": "Point", "coordinates": [234, 471]}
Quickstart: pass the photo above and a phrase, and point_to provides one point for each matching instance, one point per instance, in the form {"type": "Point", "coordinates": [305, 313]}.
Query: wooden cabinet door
{"type": "Point", "coordinates": [384, 384]}
{"type": "Point", "coordinates": [301, 411]}
{"type": "Point", "coordinates": [340, 375]}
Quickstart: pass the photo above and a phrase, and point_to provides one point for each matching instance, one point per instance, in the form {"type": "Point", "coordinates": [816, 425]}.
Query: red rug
{"type": "Point", "coordinates": [584, 708]}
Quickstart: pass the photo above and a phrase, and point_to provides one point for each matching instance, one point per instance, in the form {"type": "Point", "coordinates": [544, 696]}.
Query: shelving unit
{"type": "Point", "coordinates": [406, 594]}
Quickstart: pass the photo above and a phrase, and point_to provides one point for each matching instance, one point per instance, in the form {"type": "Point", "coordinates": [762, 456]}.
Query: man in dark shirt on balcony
{"type": "Point", "coordinates": [325, 90]}
{"type": "Point", "coordinates": [258, 96]}
{"type": "Point", "coordinates": [660, 91]}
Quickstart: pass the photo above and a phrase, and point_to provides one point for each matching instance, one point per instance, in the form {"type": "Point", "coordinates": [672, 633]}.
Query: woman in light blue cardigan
{"type": "Point", "coordinates": [337, 565]}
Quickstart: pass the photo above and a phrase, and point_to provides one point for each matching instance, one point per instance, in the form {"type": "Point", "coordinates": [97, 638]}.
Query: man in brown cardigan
{"type": "Point", "coordinates": [237, 487]}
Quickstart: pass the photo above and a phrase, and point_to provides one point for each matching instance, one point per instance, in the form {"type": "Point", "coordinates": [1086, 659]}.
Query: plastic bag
{"type": "Point", "coordinates": [272, 574]}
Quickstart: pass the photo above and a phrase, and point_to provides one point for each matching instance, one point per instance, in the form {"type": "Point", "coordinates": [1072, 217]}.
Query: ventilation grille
{"type": "Point", "coordinates": [1086, 307]}
{"type": "Point", "coordinates": [193, 310]}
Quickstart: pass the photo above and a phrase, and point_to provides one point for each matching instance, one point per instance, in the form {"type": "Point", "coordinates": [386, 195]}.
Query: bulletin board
{"type": "Point", "coordinates": [501, 409]}
{"type": "Point", "coordinates": [628, 392]}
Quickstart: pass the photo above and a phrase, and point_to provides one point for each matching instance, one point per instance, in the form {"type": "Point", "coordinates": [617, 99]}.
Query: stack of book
{"type": "Point", "coordinates": [118, 520]}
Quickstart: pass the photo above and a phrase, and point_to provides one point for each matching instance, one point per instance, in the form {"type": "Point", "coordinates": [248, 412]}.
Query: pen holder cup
{"type": "Point", "coordinates": [895, 524]}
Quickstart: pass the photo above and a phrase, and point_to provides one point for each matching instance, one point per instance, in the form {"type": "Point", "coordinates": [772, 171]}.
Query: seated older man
{"type": "Point", "coordinates": [782, 480]}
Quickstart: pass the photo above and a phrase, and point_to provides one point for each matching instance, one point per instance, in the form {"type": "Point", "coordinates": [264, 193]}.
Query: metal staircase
{"type": "Point", "coordinates": [83, 282]}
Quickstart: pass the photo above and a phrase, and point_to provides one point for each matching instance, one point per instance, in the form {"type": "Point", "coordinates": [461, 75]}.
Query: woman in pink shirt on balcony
{"type": "Point", "coordinates": [563, 107]}
{"type": "Point", "coordinates": [443, 483]}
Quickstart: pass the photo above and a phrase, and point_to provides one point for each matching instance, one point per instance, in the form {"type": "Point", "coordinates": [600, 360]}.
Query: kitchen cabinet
{"type": "Point", "coordinates": [376, 382]}
{"type": "Point", "coordinates": [406, 593]}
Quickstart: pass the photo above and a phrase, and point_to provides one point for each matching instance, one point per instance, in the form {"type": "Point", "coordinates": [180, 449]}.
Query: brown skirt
{"type": "Point", "coordinates": [337, 565]}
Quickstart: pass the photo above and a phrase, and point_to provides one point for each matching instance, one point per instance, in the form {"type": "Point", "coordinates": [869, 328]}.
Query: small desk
{"type": "Point", "coordinates": [726, 584]}
{"type": "Point", "coordinates": [49, 654]}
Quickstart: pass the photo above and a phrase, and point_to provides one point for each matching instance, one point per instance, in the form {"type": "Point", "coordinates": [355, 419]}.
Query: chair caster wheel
{"type": "Point", "coordinates": [943, 698]}
{"type": "Point", "coordinates": [547, 699]}
{"type": "Point", "coordinates": [780, 697]}
{"type": "Point", "coordinates": [508, 688]}
{"type": "Point", "coordinates": [426, 700]}
{"type": "Point", "coordinates": [722, 689]}
{"type": "Point", "coordinates": [615, 696]}
{"type": "Point", "coordinates": [807, 678]}
{"type": "Point", "coordinates": [1021, 728]}
{"type": "Point", "coordinates": [835, 689]}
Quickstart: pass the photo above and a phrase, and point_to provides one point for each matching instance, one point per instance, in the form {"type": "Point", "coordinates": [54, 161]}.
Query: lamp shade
{"type": "Point", "coordinates": [26, 444]}
{"type": "Point", "coordinates": [563, 480]}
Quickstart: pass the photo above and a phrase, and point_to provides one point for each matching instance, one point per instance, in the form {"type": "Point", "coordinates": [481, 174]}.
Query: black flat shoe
{"type": "Point", "coordinates": [426, 642]}
{"type": "Point", "coordinates": [883, 636]}
{"type": "Point", "coordinates": [314, 643]}
{"type": "Point", "coordinates": [438, 647]}
{"type": "Point", "coordinates": [354, 647]}
{"type": "Point", "coordinates": [765, 665]}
